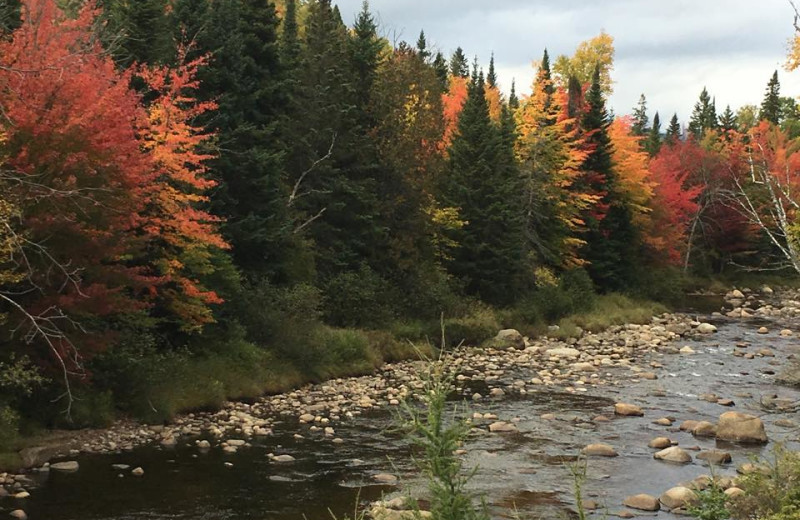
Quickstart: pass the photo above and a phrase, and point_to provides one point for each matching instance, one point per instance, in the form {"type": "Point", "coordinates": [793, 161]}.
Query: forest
{"type": "Point", "coordinates": [204, 200]}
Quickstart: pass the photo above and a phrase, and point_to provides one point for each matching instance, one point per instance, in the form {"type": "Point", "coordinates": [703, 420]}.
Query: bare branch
{"type": "Point", "coordinates": [296, 190]}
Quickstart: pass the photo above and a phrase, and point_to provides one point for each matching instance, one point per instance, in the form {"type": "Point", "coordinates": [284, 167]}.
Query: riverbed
{"type": "Point", "coordinates": [523, 473]}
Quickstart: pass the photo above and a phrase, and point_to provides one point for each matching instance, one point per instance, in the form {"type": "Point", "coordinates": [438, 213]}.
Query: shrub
{"type": "Point", "coordinates": [9, 428]}
{"type": "Point", "coordinates": [773, 494]}
{"type": "Point", "coordinates": [480, 324]}
{"type": "Point", "coordinates": [711, 504]}
{"type": "Point", "coordinates": [358, 299]}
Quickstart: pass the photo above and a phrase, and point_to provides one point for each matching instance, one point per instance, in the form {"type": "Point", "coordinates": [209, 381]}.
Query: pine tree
{"type": "Point", "coordinates": [290, 37]}
{"type": "Point", "coordinates": [653, 143]}
{"type": "Point", "coordinates": [491, 77]}
{"type": "Point", "coordinates": [513, 100]}
{"type": "Point", "coordinates": [365, 50]}
{"type": "Point", "coordinates": [458, 64]}
{"type": "Point", "coordinates": [704, 116]}
{"type": "Point", "coordinates": [138, 32]}
{"type": "Point", "coordinates": [640, 119]}
{"type": "Point", "coordinates": [482, 184]}
{"type": "Point", "coordinates": [727, 121]}
{"type": "Point", "coordinates": [610, 237]}
{"type": "Point", "coordinates": [422, 47]}
{"type": "Point", "coordinates": [673, 130]}
{"type": "Point", "coordinates": [575, 99]}
{"type": "Point", "coordinates": [441, 68]}
{"type": "Point", "coordinates": [771, 106]}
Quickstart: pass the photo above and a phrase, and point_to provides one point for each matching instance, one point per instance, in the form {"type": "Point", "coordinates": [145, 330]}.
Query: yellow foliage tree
{"type": "Point", "coordinates": [595, 51]}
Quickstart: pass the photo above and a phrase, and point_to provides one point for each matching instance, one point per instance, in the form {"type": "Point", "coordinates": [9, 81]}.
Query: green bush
{"type": "Point", "coordinates": [90, 409]}
{"type": "Point", "coordinates": [480, 324]}
{"type": "Point", "coordinates": [9, 428]}
{"type": "Point", "coordinates": [773, 494]}
{"type": "Point", "coordinates": [712, 504]}
{"type": "Point", "coordinates": [358, 299]}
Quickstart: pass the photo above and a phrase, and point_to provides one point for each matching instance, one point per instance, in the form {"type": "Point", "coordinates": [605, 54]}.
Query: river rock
{"type": "Point", "coordinates": [19, 514]}
{"type": "Point", "coordinates": [563, 352]}
{"type": "Point", "coordinates": [763, 330]}
{"type": "Point", "coordinates": [734, 492]}
{"type": "Point", "coordinates": [137, 472]}
{"type": "Point", "coordinates": [740, 427]}
{"type": "Point", "coordinates": [706, 328]}
{"type": "Point", "coordinates": [664, 421]}
{"type": "Point", "coordinates": [674, 454]}
{"type": "Point", "coordinates": [583, 367]}
{"type": "Point", "coordinates": [120, 467]}
{"type": "Point", "coordinates": [507, 339]}
{"type": "Point", "coordinates": [69, 466]}
{"type": "Point", "coordinates": [715, 456]}
{"type": "Point", "coordinates": [678, 497]}
{"type": "Point", "coordinates": [786, 333]}
{"type": "Point", "coordinates": [687, 350]}
{"type": "Point", "coordinates": [704, 429]}
{"type": "Point", "coordinates": [660, 443]}
{"type": "Point", "coordinates": [599, 450]}
{"type": "Point", "coordinates": [625, 409]}
{"type": "Point", "coordinates": [642, 502]}
{"type": "Point", "coordinates": [22, 494]}
{"type": "Point", "coordinates": [283, 458]}
{"type": "Point", "coordinates": [169, 442]}
{"type": "Point", "coordinates": [502, 427]}
{"type": "Point", "coordinates": [307, 418]}
{"type": "Point", "coordinates": [385, 478]}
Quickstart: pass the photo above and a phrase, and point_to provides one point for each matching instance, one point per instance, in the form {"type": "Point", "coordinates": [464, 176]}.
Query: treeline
{"type": "Point", "coordinates": [209, 199]}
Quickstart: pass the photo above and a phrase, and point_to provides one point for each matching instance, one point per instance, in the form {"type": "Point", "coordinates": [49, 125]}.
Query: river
{"type": "Point", "coordinates": [523, 473]}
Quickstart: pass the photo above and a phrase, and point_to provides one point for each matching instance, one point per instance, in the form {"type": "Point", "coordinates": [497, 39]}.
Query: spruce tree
{"type": "Point", "coordinates": [458, 64]}
{"type": "Point", "coordinates": [422, 47]}
{"type": "Point", "coordinates": [441, 68]}
{"type": "Point", "coordinates": [640, 119]}
{"type": "Point", "coordinates": [673, 130]}
{"type": "Point", "coordinates": [365, 50]}
{"type": "Point", "coordinates": [653, 143]}
{"type": "Point", "coordinates": [610, 238]}
{"type": "Point", "coordinates": [138, 32]}
{"type": "Point", "coordinates": [491, 76]}
{"type": "Point", "coordinates": [727, 121]}
{"type": "Point", "coordinates": [290, 37]}
{"type": "Point", "coordinates": [704, 116]}
{"type": "Point", "coordinates": [771, 106]}
{"type": "Point", "coordinates": [513, 100]}
{"type": "Point", "coordinates": [575, 98]}
{"type": "Point", "coordinates": [484, 186]}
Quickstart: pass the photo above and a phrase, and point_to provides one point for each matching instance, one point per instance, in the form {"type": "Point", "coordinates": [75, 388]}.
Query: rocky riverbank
{"type": "Point", "coordinates": [510, 366]}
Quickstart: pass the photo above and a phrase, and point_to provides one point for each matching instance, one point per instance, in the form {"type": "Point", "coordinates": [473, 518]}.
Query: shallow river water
{"type": "Point", "coordinates": [524, 472]}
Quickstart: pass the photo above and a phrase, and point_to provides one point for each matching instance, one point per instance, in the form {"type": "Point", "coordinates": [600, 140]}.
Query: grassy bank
{"type": "Point", "coordinates": [139, 380]}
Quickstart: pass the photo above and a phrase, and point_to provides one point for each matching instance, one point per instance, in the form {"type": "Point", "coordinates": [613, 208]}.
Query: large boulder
{"type": "Point", "coordinates": [642, 502]}
{"type": "Point", "coordinates": [715, 456]}
{"type": "Point", "coordinates": [599, 450]}
{"type": "Point", "coordinates": [678, 497]}
{"type": "Point", "coordinates": [626, 409]}
{"type": "Point", "coordinates": [740, 427]}
{"type": "Point", "coordinates": [507, 339]}
{"type": "Point", "coordinates": [706, 328]}
{"type": "Point", "coordinates": [674, 454]}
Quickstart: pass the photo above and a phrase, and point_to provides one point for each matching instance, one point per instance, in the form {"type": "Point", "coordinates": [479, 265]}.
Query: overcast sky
{"type": "Point", "coordinates": [666, 49]}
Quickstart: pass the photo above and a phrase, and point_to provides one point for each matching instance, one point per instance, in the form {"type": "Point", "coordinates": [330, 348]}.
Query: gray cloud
{"type": "Point", "coordinates": [666, 49]}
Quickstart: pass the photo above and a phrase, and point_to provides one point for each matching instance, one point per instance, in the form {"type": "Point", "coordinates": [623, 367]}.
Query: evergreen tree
{"type": "Point", "coordinates": [9, 16]}
{"type": "Point", "coordinates": [673, 130]}
{"type": "Point", "coordinates": [704, 116]}
{"type": "Point", "coordinates": [491, 77]}
{"type": "Point", "coordinates": [610, 237]}
{"type": "Point", "coordinates": [771, 106]}
{"type": "Point", "coordinates": [290, 39]}
{"type": "Point", "coordinates": [422, 47]}
{"type": "Point", "coordinates": [365, 50]}
{"type": "Point", "coordinates": [640, 119]}
{"type": "Point", "coordinates": [653, 142]}
{"type": "Point", "coordinates": [441, 68]}
{"type": "Point", "coordinates": [513, 100]}
{"type": "Point", "coordinates": [575, 99]}
{"type": "Point", "coordinates": [458, 64]}
{"type": "Point", "coordinates": [482, 184]}
{"type": "Point", "coordinates": [547, 74]}
{"type": "Point", "coordinates": [727, 121]}
{"type": "Point", "coordinates": [138, 32]}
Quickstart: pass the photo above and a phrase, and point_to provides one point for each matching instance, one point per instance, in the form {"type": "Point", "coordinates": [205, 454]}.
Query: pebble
{"type": "Point", "coordinates": [137, 472]}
